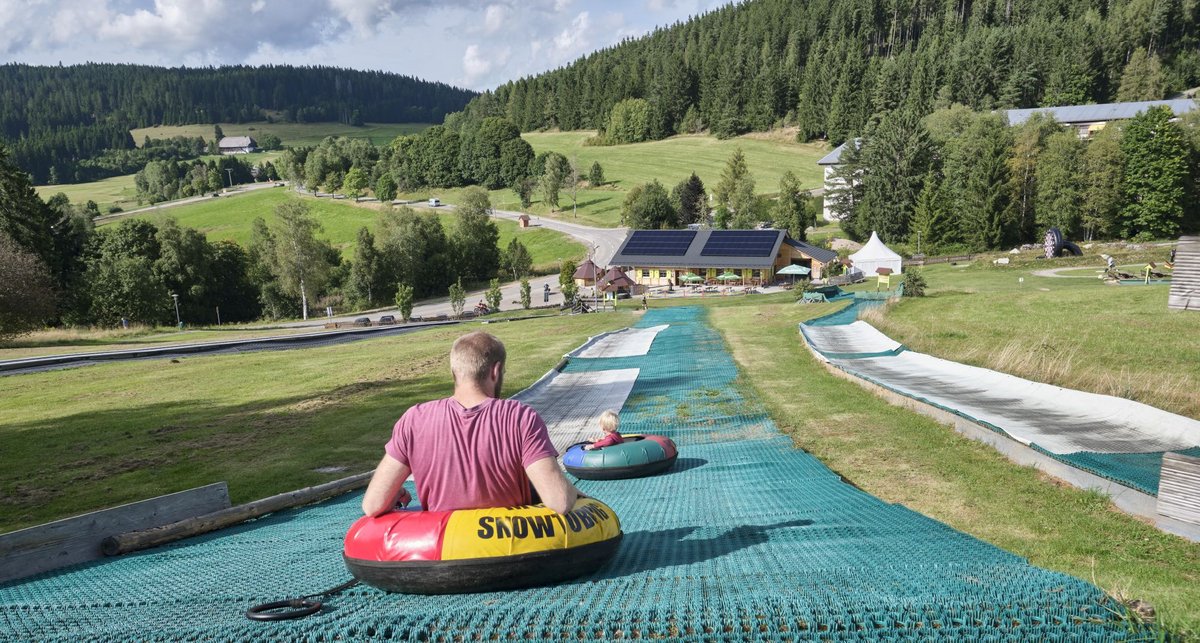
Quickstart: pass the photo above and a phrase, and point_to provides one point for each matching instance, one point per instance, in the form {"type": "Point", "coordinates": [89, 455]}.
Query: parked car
{"type": "Point", "coordinates": [433, 203]}
{"type": "Point", "coordinates": [387, 320]}
{"type": "Point", "coordinates": [362, 321]}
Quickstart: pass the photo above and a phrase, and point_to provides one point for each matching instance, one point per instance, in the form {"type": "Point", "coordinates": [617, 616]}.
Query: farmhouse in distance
{"type": "Point", "coordinates": [237, 145]}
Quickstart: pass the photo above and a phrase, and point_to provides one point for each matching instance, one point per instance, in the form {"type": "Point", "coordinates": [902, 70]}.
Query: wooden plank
{"type": "Point", "coordinates": [77, 539]}
{"type": "Point", "coordinates": [1179, 488]}
{"type": "Point", "coordinates": [192, 526]}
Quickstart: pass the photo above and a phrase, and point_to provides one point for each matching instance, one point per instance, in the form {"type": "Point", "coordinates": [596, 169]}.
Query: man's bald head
{"type": "Point", "coordinates": [474, 356]}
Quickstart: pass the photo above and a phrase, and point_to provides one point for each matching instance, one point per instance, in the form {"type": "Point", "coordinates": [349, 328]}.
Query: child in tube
{"type": "Point", "coordinates": [608, 423]}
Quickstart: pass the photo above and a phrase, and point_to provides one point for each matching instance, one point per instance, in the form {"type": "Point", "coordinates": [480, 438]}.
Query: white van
{"type": "Point", "coordinates": [433, 203]}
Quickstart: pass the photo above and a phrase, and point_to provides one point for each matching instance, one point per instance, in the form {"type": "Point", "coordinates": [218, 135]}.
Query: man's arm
{"type": "Point", "coordinates": [387, 487]}
{"type": "Point", "coordinates": [552, 486]}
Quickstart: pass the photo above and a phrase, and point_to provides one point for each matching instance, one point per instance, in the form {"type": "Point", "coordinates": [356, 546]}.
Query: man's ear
{"type": "Point", "coordinates": [497, 369]}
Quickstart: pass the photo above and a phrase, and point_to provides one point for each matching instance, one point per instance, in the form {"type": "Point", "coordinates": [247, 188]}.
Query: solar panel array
{"type": "Point", "coordinates": [740, 243]}
{"type": "Point", "coordinates": [668, 243]}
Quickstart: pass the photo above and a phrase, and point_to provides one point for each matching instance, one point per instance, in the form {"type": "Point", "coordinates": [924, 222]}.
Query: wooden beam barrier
{"type": "Point", "coordinates": [65, 542]}
{"type": "Point", "coordinates": [145, 538]}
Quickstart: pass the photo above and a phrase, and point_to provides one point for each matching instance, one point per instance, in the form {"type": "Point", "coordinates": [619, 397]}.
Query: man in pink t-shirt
{"type": "Point", "coordinates": [471, 450]}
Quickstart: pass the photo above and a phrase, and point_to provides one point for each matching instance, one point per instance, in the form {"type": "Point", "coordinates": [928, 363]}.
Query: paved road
{"type": "Point", "coordinates": [602, 243]}
{"type": "Point", "coordinates": [284, 342]}
{"type": "Point", "coordinates": [241, 189]}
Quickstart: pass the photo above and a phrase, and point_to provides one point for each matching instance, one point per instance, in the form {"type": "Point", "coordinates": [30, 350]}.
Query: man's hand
{"type": "Point", "coordinates": [552, 486]}
{"type": "Point", "coordinates": [387, 487]}
{"type": "Point", "coordinates": [404, 498]}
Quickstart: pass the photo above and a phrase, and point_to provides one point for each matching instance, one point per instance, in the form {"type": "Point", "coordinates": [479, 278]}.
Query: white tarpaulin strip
{"type": "Point", "coordinates": [1059, 420]}
{"type": "Point", "coordinates": [571, 403]}
{"type": "Point", "coordinates": [858, 337]}
{"type": "Point", "coordinates": [630, 342]}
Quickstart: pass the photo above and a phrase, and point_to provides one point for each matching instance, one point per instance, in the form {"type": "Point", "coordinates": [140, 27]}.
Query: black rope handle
{"type": "Point", "coordinates": [294, 607]}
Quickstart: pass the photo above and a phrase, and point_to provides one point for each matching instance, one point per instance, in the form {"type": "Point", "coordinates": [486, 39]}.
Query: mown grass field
{"type": "Point", "coordinates": [86, 438]}
{"type": "Point", "coordinates": [121, 191]}
{"type": "Point", "coordinates": [904, 457]}
{"type": "Point", "coordinates": [669, 161]}
{"type": "Point", "coordinates": [292, 134]}
{"type": "Point", "coordinates": [116, 190]}
{"type": "Point", "coordinates": [230, 217]}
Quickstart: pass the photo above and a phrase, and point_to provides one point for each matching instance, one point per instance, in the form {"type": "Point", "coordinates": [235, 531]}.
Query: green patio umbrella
{"type": "Point", "coordinates": [728, 276]}
{"type": "Point", "coordinates": [793, 270]}
{"type": "Point", "coordinates": [691, 278]}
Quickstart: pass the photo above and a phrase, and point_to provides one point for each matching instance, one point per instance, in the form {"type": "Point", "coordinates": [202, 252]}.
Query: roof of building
{"type": "Point", "coordinates": [816, 252]}
{"type": "Point", "coordinates": [835, 157]}
{"type": "Point", "coordinates": [588, 270]}
{"type": "Point", "coordinates": [1097, 113]}
{"type": "Point", "coordinates": [237, 141]}
{"type": "Point", "coordinates": [707, 248]}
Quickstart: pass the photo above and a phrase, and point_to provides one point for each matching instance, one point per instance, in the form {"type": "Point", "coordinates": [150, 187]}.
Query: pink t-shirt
{"type": "Point", "coordinates": [470, 458]}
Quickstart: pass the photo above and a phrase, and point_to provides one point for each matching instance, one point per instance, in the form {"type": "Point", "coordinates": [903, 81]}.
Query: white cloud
{"type": "Point", "coordinates": [474, 64]}
{"type": "Point", "coordinates": [476, 43]}
{"type": "Point", "coordinates": [572, 39]}
{"type": "Point", "coordinates": [494, 18]}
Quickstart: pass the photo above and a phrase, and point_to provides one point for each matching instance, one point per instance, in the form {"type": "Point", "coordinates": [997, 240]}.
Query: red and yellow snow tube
{"type": "Point", "coordinates": [480, 550]}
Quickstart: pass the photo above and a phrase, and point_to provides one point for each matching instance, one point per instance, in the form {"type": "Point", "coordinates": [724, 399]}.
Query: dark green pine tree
{"type": "Point", "coordinates": [898, 156]}
{"type": "Point", "coordinates": [1156, 167]}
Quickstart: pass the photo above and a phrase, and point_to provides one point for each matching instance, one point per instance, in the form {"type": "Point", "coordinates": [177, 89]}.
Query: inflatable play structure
{"type": "Point", "coordinates": [638, 456]}
{"type": "Point", "coordinates": [480, 550]}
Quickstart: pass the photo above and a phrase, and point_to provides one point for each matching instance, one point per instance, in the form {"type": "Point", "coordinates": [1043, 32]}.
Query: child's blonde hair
{"type": "Point", "coordinates": [609, 420]}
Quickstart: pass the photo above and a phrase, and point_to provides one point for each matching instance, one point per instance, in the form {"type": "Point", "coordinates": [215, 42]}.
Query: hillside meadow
{"type": "Point", "coordinates": [292, 134]}
{"type": "Point", "coordinates": [768, 156]}
{"type": "Point", "coordinates": [230, 217]}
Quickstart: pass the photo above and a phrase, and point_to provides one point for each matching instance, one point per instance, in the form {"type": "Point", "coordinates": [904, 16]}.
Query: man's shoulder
{"type": "Point", "coordinates": [509, 405]}
{"type": "Point", "coordinates": [423, 409]}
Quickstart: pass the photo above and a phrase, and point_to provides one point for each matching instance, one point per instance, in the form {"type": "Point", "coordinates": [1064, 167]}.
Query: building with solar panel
{"type": "Point", "coordinates": [666, 257]}
{"type": "Point", "coordinates": [1086, 120]}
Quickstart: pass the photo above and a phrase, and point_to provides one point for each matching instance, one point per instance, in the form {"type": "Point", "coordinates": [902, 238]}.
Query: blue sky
{"type": "Point", "coordinates": [470, 43]}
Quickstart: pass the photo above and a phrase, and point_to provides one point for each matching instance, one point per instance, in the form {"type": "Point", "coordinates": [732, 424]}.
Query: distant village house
{"type": "Point", "coordinates": [237, 145]}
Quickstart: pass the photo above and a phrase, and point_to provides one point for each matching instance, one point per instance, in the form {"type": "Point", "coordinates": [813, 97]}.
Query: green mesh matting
{"type": "Point", "coordinates": [746, 539]}
{"type": "Point", "coordinates": [1140, 471]}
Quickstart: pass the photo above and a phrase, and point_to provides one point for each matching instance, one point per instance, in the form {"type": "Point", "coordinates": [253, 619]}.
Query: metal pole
{"type": "Point", "coordinates": [218, 315]}
{"type": "Point", "coordinates": [229, 170]}
{"type": "Point", "coordinates": [176, 298]}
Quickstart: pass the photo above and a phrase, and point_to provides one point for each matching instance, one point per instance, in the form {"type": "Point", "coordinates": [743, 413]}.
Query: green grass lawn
{"type": "Point", "coordinates": [121, 191]}
{"type": "Point", "coordinates": [117, 190]}
{"type": "Point", "coordinates": [904, 457]}
{"type": "Point", "coordinates": [292, 134]}
{"type": "Point", "coordinates": [82, 439]}
{"type": "Point", "coordinates": [229, 217]}
{"type": "Point", "coordinates": [669, 161]}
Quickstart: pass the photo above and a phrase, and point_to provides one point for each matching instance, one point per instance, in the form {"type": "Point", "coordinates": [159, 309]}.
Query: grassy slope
{"type": "Point", "coordinates": [117, 190]}
{"type": "Point", "coordinates": [669, 161]}
{"type": "Point", "coordinates": [903, 457]}
{"type": "Point", "coordinates": [230, 217]}
{"type": "Point", "coordinates": [120, 190]}
{"type": "Point", "coordinates": [292, 134]}
{"type": "Point", "coordinates": [262, 421]}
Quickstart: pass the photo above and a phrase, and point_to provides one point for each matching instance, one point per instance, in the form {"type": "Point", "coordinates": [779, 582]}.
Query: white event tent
{"type": "Point", "coordinates": [875, 255]}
